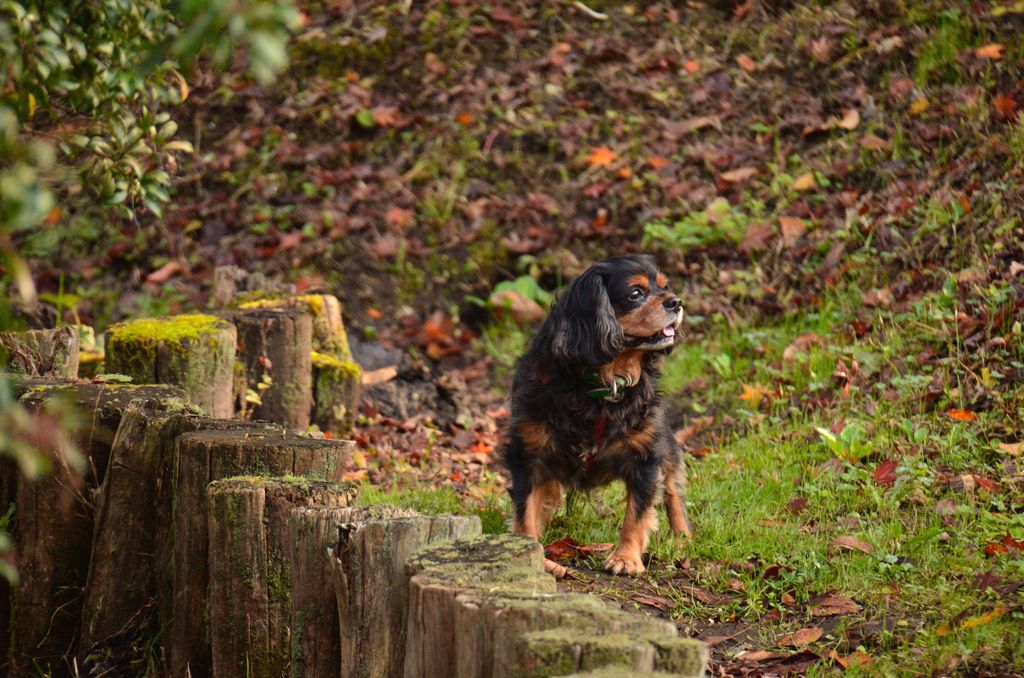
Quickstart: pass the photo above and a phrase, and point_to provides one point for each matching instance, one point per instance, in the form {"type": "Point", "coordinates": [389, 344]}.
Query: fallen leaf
{"type": "Point", "coordinates": [797, 505]}
{"type": "Point", "coordinates": [972, 622]}
{"type": "Point", "coordinates": [792, 229]}
{"type": "Point", "coordinates": [1012, 449]}
{"type": "Point", "coordinates": [919, 106]}
{"type": "Point", "coordinates": [706, 597]}
{"type": "Point", "coordinates": [852, 544]}
{"type": "Point", "coordinates": [800, 345]}
{"type": "Point", "coordinates": [1005, 105]}
{"type": "Point", "coordinates": [464, 118]}
{"type": "Point", "coordinates": [850, 119]}
{"type": "Point", "coordinates": [961, 415]}
{"type": "Point", "coordinates": [164, 273]}
{"type": "Point", "coordinates": [757, 237]}
{"type": "Point", "coordinates": [945, 507]}
{"type": "Point", "coordinates": [871, 142]}
{"type": "Point", "coordinates": [801, 637]}
{"type": "Point", "coordinates": [658, 602]}
{"type": "Point", "coordinates": [380, 376]}
{"type": "Point", "coordinates": [829, 604]}
{"type": "Point", "coordinates": [385, 116]}
{"type": "Point", "coordinates": [757, 656]}
{"type": "Point", "coordinates": [885, 473]}
{"type": "Point", "coordinates": [691, 66]}
{"type": "Point", "coordinates": [657, 162]}
{"type": "Point", "coordinates": [746, 63]}
{"type": "Point", "coordinates": [753, 394]}
{"type": "Point", "coordinates": [804, 182]}
{"type": "Point", "coordinates": [857, 658]}
{"type": "Point", "coordinates": [400, 218]}
{"type": "Point", "coordinates": [993, 51]}
{"type": "Point", "coordinates": [601, 156]}
{"type": "Point", "coordinates": [567, 547]}
{"type": "Point", "coordinates": [737, 175]}
{"type": "Point", "coordinates": [787, 599]}
{"type": "Point", "coordinates": [821, 49]}
{"type": "Point", "coordinates": [519, 307]}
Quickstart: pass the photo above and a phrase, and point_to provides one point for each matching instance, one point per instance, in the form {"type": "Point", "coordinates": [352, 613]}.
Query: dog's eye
{"type": "Point", "coordinates": [637, 294]}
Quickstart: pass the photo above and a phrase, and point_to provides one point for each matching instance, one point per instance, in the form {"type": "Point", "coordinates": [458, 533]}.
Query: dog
{"type": "Point", "coordinates": [586, 409]}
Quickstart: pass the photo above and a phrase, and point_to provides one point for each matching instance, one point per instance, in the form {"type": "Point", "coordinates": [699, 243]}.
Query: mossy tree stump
{"type": "Point", "coordinates": [54, 522]}
{"type": "Point", "coordinates": [131, 550]}
{"type": "Point", "coordinates": [336, 377]}
{"type": "Point", "coordinates": [251, 571]}
{"type": "Point", "coordinates": [484, 607]}
{"type": "Point", "coordinates": [370, 582]}
{"type": "Point", "coordinates": [278, 343]}
{"type": "Point", "coordinates": [42, 353]}
{"type": "Point", "coordinates": [195, 352]}
{"type": "Point", "coordinates": [199, 459]}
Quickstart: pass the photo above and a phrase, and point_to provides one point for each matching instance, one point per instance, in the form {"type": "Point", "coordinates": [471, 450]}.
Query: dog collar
{"type": "Point", "coordinates": [612, 393]}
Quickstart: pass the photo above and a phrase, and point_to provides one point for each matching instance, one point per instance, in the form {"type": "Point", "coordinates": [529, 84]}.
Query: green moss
{"type": "Point", "coordinates": [340, 370]}
{"type": "Point", "coordinates": [173, 329]}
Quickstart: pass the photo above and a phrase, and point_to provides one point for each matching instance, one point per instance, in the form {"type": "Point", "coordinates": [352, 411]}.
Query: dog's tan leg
{"type": "Point", "coordinates": [627, 558]}
{"type": "Point", "coordinates": [541, 504]}
{"type": "Point", "coordinates": [675, 506]}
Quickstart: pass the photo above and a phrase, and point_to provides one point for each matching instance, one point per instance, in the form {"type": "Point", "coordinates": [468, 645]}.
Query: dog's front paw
{"type": "Point", "coordinates": [624, 562]}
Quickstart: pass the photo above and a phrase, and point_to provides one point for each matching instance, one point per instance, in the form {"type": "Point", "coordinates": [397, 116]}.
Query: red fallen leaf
{"type": "Point", "coordinates": [801, 637]}
{"type": "Point", "coordinates": [481, 447]}
{"type": "Point", "coordinates": [885, 473]}
{"type": "Point", "coordinates": [567, 548]}
{"type": "Point", "coordinates": [1006, 106]}
{"type": "Point", "coordinates": [601, 156]}
{"type": "Point", "coordinates": [994, 547]}
{"type": "Point", "coordinates": [858, 658]}
{"type": "Point", "coordinates": [746, 63]}
{"type": "Point", "coordinates": [659, 602]}
{"type": "Point", "coordinates": [164, 273]}
{"type": "Point", "coordinates": [385, 116]}
{"type": "Point", "coordinates": [691, 66]}
{"type": "Point", "coordinates": [757, 237]}
{"type": "Point", "coordinates": [289, 241]}
{"type": "Point", "coordinates": [456, 477]}
{"type": "Point", "coordinates": [658, 162]}
{"type": "Point", "coordinates": [852, 544]}
{"type": "Point", "coordinates": [961, 415]}
{"type": "Point", "coordinates": [1012, 543]}
{"type": "Point", "coordinates": [701, 452]}
{"type": "Point", "coordinates": [400, 218]}
{"type": "Point", "coordinates": [990, 485]}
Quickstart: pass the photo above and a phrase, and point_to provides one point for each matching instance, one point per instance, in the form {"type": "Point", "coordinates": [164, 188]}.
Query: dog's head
{"type": "Point", "coordinates": [618, 304]}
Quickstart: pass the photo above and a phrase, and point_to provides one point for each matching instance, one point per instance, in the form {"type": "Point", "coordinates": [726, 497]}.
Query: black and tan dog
{"type": "Point", "coordinates": [586, 409]}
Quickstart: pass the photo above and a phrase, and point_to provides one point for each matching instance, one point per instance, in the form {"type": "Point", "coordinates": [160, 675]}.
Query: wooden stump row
{"type": "Point", "coordinates": [284, 360]}
{"type": "Point", "coordinates": [482, 606]}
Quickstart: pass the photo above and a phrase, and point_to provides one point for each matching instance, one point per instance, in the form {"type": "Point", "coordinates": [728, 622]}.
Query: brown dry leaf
{"type": "Point", "coordinates": [164, 273]}
{"type": "Point", "coordinates": [852, 544]}
{"type": "Point", "coordinates": [757, 656]}
{"type": "Point", "coordinates": [385, 116]}
{"type": "Point", "coordinates": [829, 604]}
{"type": "Point", "coordinates": [658, 162]}
{"type": "Point", "coordinates": [787, 599]}
{"type": "Point", "coordinates": [380, 376]}
{"type": "Point", "coordinates": [801, 637]}
{"type": "Point", "coordinates": [522, 309]}
{"type": "Point", "coordinates": [993, 51]}
{"type": "Point", "coordinates": [800, 345]}
{"type": "Point", "coordinates": [601, 156]}
{"type": "Point", "coordinates": [659, 602]}
{"type": "Point", "coordinates": [792, 230]}
{"type": "Point", "coordinates": [738, 174]}
{"type": "Point", "coordinates": [757, 237]}
{"type": "Point", "coordinates": [850, 119]}
{"type": "Point", "coordinates": [805, 182]}
{"type": "Point", "coordinates": [746, 63]}
{"type": "Point", "coordinates": [1012, 449]}
{"type": "Point", "coordinates": [871, 142]}
{"type": "Point", "coordinates": [821, 49]}
{"type": "Point", "coordinates": [857, 658]}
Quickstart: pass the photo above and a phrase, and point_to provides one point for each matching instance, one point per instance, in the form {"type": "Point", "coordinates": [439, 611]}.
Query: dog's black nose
{"type": "Point", "coordinates": [673, 305]}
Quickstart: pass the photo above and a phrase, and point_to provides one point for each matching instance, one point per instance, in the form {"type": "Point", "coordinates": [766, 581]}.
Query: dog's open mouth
{"type": "Point", "coordinates": [663, 337]}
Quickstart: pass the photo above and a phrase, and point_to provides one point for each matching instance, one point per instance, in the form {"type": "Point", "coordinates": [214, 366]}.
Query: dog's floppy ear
{"type": "Point", "coordinates": [584, 327]}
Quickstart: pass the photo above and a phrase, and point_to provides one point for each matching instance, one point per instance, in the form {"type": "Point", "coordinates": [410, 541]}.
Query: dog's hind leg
{"type": "Point", "coordinates": [674, 474]}
{"type": "Point", "coordinates": [540, 504]}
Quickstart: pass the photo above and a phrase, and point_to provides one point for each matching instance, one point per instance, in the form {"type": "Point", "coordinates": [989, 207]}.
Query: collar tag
{"type": "Point", "coordinates": [613, 392]}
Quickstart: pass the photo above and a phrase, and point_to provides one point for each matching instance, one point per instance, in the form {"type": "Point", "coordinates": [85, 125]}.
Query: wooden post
{"type": "Point", "coordinates": [53, 524]}
{"type": "Point", "coordinates": [336, 377]}
{"type": "Point", "coordinates": [370, 583]}
{"type": "Point", "coordinates": [277, 343]}
{"type": "Point", "coordinates": [195, 352]}
{"type": "Point", "coordinates": [199, 459]}
{"type": "Point", "coordinates": [251, 575]}
{"type": "Point", "coordinates": [482, 606]}
{"type": "Point", "coordinates": [131, 543]}
{"type": "Point", "coordinates": [42, 353]}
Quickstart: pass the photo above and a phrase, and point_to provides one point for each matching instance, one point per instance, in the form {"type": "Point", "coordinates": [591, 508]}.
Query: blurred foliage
{"type": "Point", "coordinates": [85, 127]}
